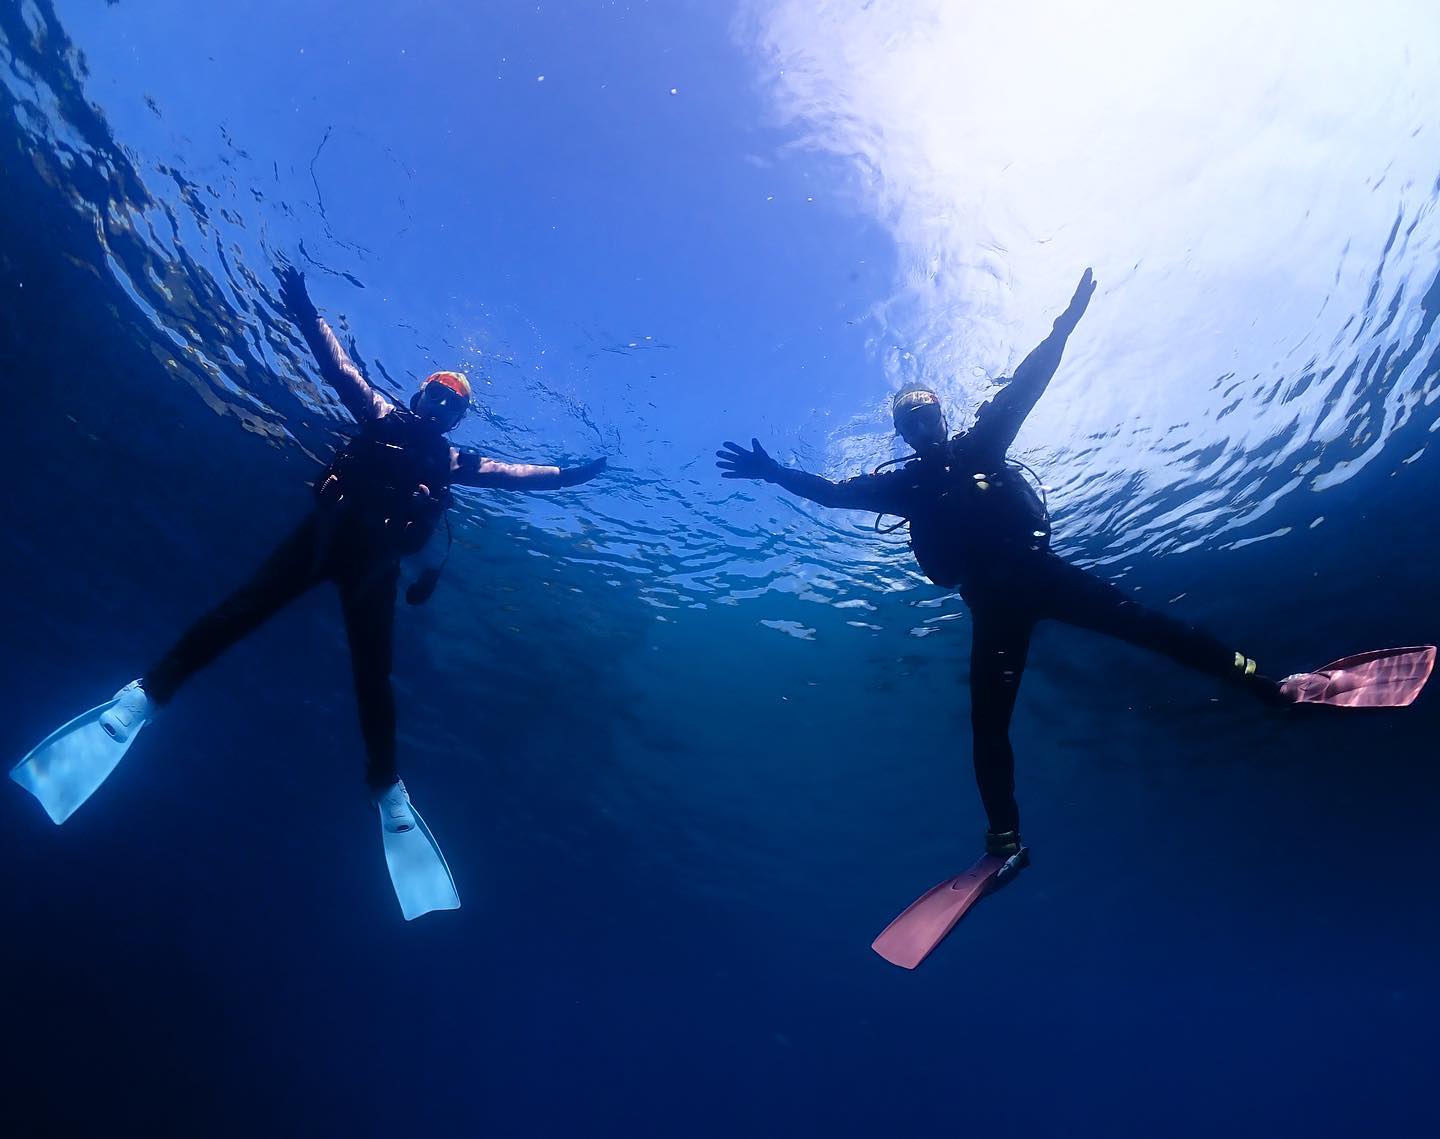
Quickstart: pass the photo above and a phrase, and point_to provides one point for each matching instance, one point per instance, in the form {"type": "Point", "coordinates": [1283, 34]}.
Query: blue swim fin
{"type": "Point", "coordinates": [418, 870]}
{"type": "Point", "coordinates": [67, 766]}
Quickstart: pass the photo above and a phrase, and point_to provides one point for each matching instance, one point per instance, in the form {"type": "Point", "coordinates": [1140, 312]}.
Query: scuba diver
{"type": "Point", "coordinates": [977, 526]}
{"type": "Point", "coordinates": [380, 500]}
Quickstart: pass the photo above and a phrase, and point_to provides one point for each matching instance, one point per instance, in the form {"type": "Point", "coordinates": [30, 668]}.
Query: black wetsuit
{"type": "Point", "coordinates": [977, 526]}
{"type": "Point", "coordinates": [378, 501]}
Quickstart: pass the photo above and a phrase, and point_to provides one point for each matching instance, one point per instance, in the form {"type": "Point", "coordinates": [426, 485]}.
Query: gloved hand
{"type": "Point", "coordinates": [574, 476]}
{"type": "Point", "coordinates": [418, 592]}
{"type": "Point", "coordinates": [293, 294]}
{"type": "Point", "coordinates": [1078, 303]}
{"type": "Point", "coordinates": [737, 463]}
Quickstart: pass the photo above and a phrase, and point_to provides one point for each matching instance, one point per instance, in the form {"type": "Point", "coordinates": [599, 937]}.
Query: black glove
{"type": "Point", "coordinates": [1078, 303]}
{"type": "Point", "coordinates": [419, 590]}
{"type": "Point", "coordinates": [294, 296]}
{"type": "Point", "coordinates": [574, 476]}
{"type": "Point", "coordinates": [737, 463]}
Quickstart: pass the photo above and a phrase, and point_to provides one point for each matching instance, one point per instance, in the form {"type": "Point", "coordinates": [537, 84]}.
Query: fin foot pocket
{"type": "Point", "coordinates": [418, 870]}
{"type": "Point", "coordinates": [908, 939]}
{"type": "Point", "coordinates": [68, 766]}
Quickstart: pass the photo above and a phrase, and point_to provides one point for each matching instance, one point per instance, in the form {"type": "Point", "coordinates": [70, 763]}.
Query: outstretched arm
{"type": "Point", "coordinates": [998, 422]}
{"type": "Point", "coordinates": [470, 468]}
{"type": "Point", "coordinates": [360, 398]}
{"type": "Point", "coordinates": [864, 492]}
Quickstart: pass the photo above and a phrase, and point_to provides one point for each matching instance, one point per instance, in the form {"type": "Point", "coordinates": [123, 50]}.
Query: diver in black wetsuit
{"type": "Point", "coordinates": [380, 500]}
{"type": "Point", "coordinates": [976, 525]}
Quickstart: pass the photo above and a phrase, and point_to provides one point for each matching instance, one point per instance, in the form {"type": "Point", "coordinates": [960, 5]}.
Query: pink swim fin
{"type": "Point", "coordinates": [908, 939]}
{"type": "Point", "coordinates": [1383, 678]}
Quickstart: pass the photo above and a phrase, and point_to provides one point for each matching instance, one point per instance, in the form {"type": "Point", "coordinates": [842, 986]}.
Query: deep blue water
{"type": "Point", "coordinates": [688, 746]}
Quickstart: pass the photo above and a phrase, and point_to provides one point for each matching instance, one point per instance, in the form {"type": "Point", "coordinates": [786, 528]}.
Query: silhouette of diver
{"type": "Point", "coordinates": [379, 501]}
{"type": "Point", "coordinates": [977, 526]}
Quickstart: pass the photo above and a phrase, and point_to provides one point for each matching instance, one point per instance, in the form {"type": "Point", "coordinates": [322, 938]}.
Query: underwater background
{"type": "Point", "coordinates": [688, 744]}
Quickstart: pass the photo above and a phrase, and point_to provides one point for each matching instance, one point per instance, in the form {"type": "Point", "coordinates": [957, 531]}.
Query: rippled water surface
{"type": "Point", "coordinates": [689, 743]}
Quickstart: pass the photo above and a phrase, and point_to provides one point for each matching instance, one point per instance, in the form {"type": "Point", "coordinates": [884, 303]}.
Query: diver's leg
{"type": "Point", "coordinates": [998, 651]}
{"type": "Point", "coordinates": [418, 870]}
{"type": "Point", "coordinates": [368, 603]}
{"type": "Point", "coordinates": [287, 573]}
{"type": "Point", "coordinates": [1076, 597]}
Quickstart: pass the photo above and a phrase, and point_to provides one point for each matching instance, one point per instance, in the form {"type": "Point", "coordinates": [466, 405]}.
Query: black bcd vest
{"type": "Point", "coordinates": [394, 474]}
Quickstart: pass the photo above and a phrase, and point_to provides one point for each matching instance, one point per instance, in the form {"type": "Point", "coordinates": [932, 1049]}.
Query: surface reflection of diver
{"type": "Point", "coordinates": [381, 499]}
{"type": "Point", "coordinates": [976, 525]}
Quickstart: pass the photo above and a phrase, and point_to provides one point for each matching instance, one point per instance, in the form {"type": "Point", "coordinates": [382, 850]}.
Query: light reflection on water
{"type": "Point", "coordinates": [1255, 187]}
{"type": "Point", "coordinates": [1264, 232]}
